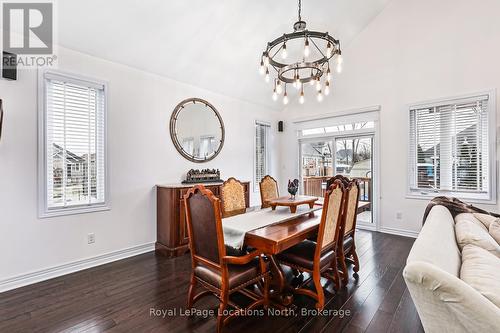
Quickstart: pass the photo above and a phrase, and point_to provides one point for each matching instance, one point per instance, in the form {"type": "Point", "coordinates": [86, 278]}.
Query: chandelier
{"type": "Point", "coordinates": [300, 58]}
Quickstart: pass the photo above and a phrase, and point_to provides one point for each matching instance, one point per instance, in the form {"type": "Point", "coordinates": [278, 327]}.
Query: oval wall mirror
{"type": "Point", "coordinates": [197, 130]}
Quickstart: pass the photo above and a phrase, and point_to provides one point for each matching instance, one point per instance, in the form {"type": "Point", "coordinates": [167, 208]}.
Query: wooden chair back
{"type": "Point", "coordinates": [345, 181]}
{"type": "Point", "coordinates": [351, 207]}
{"type": "Point", "coordinates": [203, 217]}
{"type": "Point", "coordinates": [331, 217]}
{"type": "Point", "coordinates": [233, 197]}
{"type": "Point", "coordinates": [268, 190]}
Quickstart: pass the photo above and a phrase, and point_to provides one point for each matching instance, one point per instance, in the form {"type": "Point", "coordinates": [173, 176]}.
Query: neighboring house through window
{"type": "Point", "coordinates": [72, 144]}
{"type": "Point", "coordinates": [451, 149]}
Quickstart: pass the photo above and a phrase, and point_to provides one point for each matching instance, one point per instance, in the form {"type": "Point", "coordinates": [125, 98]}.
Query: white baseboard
{"type": "Point", "coordinates": [370, 227]}
{"type": "Point", "coordinates": [399, 232]}
{"type": "Point", "coordinates": [52, 272]}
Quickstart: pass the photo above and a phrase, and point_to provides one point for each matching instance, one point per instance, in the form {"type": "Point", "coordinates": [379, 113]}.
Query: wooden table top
{"type": "Point", "coordinates": [287, 201]}
{"type": "Point", "coordinates": [278, 237]}
{"type": "Point", "coordinates": [275, 238]}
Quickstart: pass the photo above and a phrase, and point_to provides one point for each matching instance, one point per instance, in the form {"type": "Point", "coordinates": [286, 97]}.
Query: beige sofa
{"type": "Point", "coordinates": [444, 301]}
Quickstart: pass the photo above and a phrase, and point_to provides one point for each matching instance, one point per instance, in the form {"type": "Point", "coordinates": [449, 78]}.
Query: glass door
{"type": "Point", "coordinates": [316, 165]}
{"type": "Point", "coordinates": [354, 159]}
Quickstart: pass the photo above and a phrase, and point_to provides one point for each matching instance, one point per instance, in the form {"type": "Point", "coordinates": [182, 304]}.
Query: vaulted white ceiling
{"type": "Point", "coordinates": [213, 44]}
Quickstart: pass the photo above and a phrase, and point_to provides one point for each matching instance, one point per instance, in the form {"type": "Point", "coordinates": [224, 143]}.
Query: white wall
{"type": "Point", "coordinates": [413, 51]}
{"type": "Point", "coordinates": [141, 154]}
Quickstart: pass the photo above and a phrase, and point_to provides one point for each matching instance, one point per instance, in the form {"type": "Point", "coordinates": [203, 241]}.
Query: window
{"type": "Point", "coordinates": [72, 145]}
{"type": "Point", "coordinates": [338, 128]}
{"type": "Point", "coordinates": [450, 150]}
{"type": "Point", "coordinates": [261, 152]}
{"type": "Point", "coordinates": [207, 145]}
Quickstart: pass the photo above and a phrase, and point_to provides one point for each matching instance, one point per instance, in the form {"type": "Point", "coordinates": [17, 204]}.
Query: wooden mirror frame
{"type": "Point", "coordinates": [173, 136]}
{"type": "Point", "coordinates": [1, 117]}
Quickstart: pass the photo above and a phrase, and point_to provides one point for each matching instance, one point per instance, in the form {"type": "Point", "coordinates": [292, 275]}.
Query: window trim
{"type": "Point", "coordinates": [492, 137]}
{"type": "Point", "coordinates": [256, 186]}
{"type": "Point", "coordinates": [43, 211]}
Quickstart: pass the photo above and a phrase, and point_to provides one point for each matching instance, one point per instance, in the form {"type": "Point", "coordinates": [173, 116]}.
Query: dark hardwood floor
{"type": "Point", "coordinates": [118, 297]}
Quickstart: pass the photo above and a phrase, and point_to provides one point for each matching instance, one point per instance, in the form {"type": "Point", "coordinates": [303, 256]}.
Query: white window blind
{"type": "Point", "coordinates": [449, 148]}
{"type": "Point", "coordinates": [261, 152]}
{"type": "Point", "coordinates": [74, 144]}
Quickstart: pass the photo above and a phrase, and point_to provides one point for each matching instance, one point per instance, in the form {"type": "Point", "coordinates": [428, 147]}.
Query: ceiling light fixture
{"type": "Point", "coordinates": [318, 47]}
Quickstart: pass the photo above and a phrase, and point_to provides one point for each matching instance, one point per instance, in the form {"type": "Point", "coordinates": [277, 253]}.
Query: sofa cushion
{"type": "Point", "coordinates": [486, 219]}
{"type": "Point", "coordinates": [495, 231]}
{"type": "Point", "coordinates": [470, 218]}
{"type": "Point", "coordinates": [480, 270]}
{"type": "Point", "coordinates": [468, 232]}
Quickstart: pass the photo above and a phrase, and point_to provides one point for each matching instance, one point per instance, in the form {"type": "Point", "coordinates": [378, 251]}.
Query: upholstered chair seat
{"type": "Point", "coordinates": [238, 275]}
{"type": "Point", "coordinates": [348, 241]}
{"type": "Point", "coordinates": [302, 255]}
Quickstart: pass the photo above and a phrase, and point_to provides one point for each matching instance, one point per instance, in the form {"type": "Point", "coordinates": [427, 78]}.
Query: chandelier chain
{"type": "Point", "coordinates": [300, 10]}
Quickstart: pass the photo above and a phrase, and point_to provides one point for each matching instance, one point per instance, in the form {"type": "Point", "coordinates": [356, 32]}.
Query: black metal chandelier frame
{"type": "Point", "coordinates": [317, 66]}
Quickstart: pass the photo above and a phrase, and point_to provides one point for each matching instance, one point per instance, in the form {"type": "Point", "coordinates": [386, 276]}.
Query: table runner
{"type": "Point", "coordinates": [235, 227]}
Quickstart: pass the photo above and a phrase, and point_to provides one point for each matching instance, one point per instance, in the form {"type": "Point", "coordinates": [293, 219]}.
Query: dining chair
{"type": "Point", "coordinates": [345, 180]}
{"type": "Point", "coordinates": [319, 258]}
{"type": "Point", "coordinates": [233, 197]}
{"type": "Point", "coordinates": [268, 190]}
{"type": "Point", "coordinates": [347, 248]}
{"type": "Point", "coordinates": [220, 275]}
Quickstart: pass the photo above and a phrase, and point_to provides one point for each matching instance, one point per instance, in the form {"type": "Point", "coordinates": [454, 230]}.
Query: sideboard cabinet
{"type": "Point", "coordinates": [171, 230]}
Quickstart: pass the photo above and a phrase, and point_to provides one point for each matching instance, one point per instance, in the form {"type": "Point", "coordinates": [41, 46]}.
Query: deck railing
{"type": "Point", "coordinates": [316, 186]}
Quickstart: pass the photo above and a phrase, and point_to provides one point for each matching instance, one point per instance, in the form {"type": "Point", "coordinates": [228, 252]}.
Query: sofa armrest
{"type": "Point", "coordinates": [447, 304]}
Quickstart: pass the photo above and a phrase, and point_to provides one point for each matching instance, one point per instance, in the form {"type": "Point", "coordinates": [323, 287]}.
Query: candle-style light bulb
{"type": "Point", "coordinates": [318, 84]}
{"type": "Point", "coordinates": [328, 74]}
{"type": "Point", "coordinates": [267, 78]}
{"type": "Point", "coordinates": [339, 68]}
{"type": "Point", "coordinates": [284, 53]}
{"type": "Point", "coordinates": [262, 69]}
{"type": "Point", "coordinates": [279, 87]}
{"type": "Point", "coordinates": [307, 51]}
{"type": "Point", "coordinates": [320, 96]}
{"type": "Point", "coordinates": [275, 95]}
{"type": "Point", "coordinates": [327, 88]}
{"type": "Point", "coordinates": [302, 98]}
{"type": "Point", "coordinates": [297, 82]}
{"type": "Point", "coordinates": [266, 59]}
{"type": "Point", "coordinates": [329, 50]}
{"type": "Point", "coordinates": [285, 98]}
{"type": "Point", "coordinates": [340, 60]}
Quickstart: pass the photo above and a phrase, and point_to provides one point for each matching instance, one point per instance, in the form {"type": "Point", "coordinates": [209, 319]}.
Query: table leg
{"type": "Point", "coordinates": [278, 283]}
{"type": "Point", "coordinates": [293, 209]}
{"type": "Point", "coordinates": [311, 206]}
{"type": "Point", "coordinates": [273, 207]}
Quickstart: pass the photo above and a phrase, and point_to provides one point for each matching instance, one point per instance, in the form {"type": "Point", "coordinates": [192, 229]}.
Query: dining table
{"type": "Point", "coordinates": [271, 232]}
